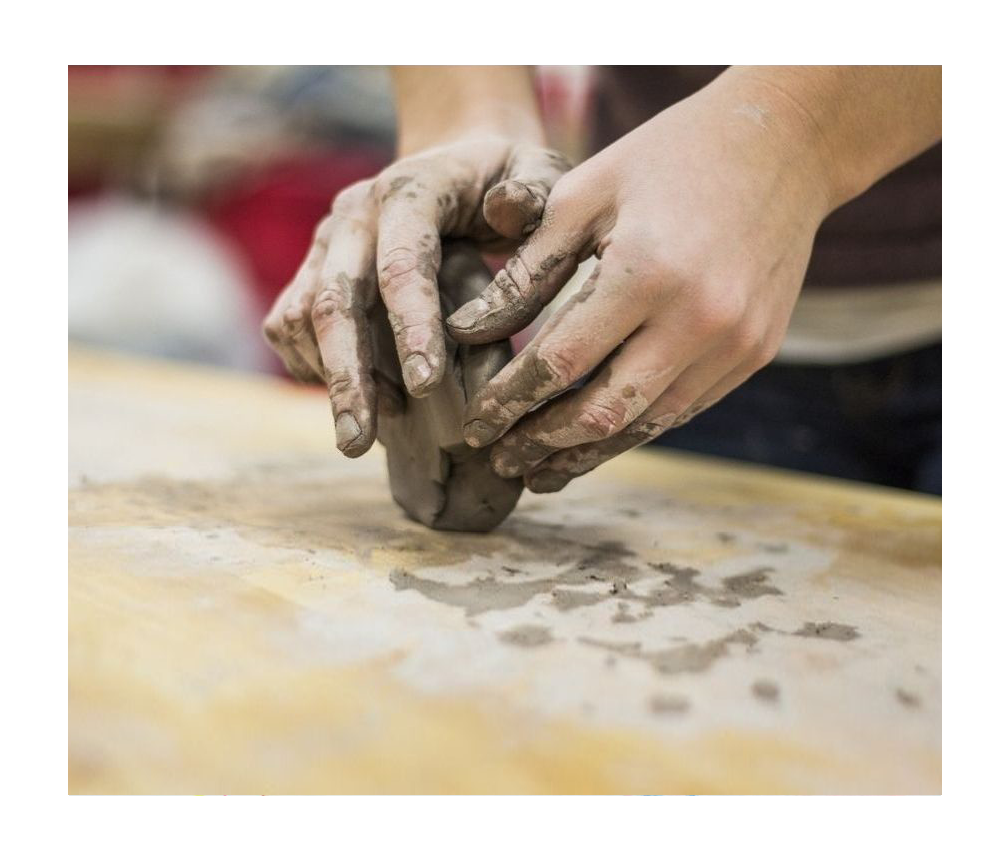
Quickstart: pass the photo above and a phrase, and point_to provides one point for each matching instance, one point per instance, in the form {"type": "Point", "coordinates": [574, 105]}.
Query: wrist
{"type": "Point", "coordinates": [486, 120]}
{"type": "Point", "coordinates": [793, 130]}
{"type": "Point", "coordinates": [437, 105]}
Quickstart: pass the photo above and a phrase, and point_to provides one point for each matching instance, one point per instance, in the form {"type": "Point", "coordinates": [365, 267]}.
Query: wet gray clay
{"type": "Point", "coordinates": [437, 478]}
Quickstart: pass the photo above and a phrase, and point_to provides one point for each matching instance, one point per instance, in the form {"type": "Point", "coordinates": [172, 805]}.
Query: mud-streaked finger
{"type": "Point", "coordinates": [340, 318]}
{"type": "Point", "coordinates": [288, 327]}
{"type": "Point", "coordinates": [408, 259]}
{"type": "Point", "coordinates": [529, 280]}
{"type": "Point", "coordinates": [624, 386]}
{"type": "Point", "coordinates": [578, 337]}
{"type": "Point", "coordinates": [677, 404]}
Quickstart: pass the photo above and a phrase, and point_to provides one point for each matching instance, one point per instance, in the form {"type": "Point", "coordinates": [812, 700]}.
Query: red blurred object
{"type": "Point", "coordinates": [271, 218]}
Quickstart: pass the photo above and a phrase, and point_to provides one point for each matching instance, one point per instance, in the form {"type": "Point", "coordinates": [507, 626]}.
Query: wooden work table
{"type": "Point", "coordinates": [250, 613]}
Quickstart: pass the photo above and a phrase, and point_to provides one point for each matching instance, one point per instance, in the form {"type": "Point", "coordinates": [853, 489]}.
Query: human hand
{"type": "Point", "coordinates": [384, 234]}
{"type": "Point", "coordinates": [703, 219]}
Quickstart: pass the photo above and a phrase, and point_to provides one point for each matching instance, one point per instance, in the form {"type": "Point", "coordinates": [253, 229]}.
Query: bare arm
{"type": "Point", "coordinates": [865, 120]}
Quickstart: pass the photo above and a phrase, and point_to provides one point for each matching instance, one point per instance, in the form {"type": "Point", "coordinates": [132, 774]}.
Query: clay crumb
{"type": "Point", "coordinates": [669, 704]}
{"type": "Point", "coordinates": [765, 690]}
{"type": "Point", "coordinates": [776, 548]}
{"type": "Point", "coordinates": [828, 630]}
{"type": "Point", "coordinates": [907, 698]}
{"type": "Point", "coordinates": [527, 636]}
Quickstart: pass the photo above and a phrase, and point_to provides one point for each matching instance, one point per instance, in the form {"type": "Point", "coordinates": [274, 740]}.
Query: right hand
{"type": "Point", "coordinates": [384, 233]}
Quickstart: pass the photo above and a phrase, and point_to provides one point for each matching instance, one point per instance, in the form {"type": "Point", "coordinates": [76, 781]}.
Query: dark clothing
{"type": "Point", "coordinates": [878, 421]}
{"type": "Point", "coordinates": [891, 233]}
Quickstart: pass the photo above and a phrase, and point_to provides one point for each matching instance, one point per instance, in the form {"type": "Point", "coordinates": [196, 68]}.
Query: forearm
{"type": "Point", "coordinates": [443, 103]}
{"type": "Point", "coordinates": [861, 121]}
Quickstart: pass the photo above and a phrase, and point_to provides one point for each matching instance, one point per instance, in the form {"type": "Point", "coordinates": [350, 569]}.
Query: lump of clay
{"type": "Point", "coordinates": [435, 476]}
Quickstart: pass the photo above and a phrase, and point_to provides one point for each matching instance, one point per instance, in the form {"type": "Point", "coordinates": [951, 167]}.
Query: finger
{"type": "Point", "coordinates": [274, 329]}
{"type": "Point", "coordinates": [572, 343]}
{"type": "Point", "coordinates": [735, 378]}
{"type": "Point", "coordinates": [288, 327]}
{"type": "Point", "coordinates": [673, 407]}
{"type": "Point", "coordinates": [623, 387]}
{"type": "Point", "coordinates": [529, 280]}
{"type": "Point", "coordinates": [340, 319]}
{"type": "Point", "coordinates": [408, 259]}
{"type": "Point", "coordinates": [515, 205]}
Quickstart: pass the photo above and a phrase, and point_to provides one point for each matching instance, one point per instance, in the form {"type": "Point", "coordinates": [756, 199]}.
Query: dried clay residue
{"type": "Point", "coordinates": [828, 630]}
{"type": "Point", "coordinates": [592, 566]}
{"type": "Point", "coordinates": [598, 574]}
{"type": "Point", "coordinates": [686, 657]}
{"type": "Point", "coordinates": [669, 704]}
{"type": "Point", "coordinates": [765, 690]}
{"type": "Point", "coordinates": [907, 698]}
{"type": "Point", "coordinates": [527, 636]}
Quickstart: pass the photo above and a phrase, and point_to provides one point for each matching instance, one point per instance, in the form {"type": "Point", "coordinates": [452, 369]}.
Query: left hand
{"type": "Point", "coordinates": [703, 219]}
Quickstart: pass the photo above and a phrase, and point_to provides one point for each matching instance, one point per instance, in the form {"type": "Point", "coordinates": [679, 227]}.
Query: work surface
{"type": "Point", "coordinates": [250, 612]}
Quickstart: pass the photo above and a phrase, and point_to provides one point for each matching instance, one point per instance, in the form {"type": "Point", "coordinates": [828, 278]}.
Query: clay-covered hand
{"type": "Point", "coordinates": [703, 220]}
{"type": "Point", "coordinates": [384, 234]}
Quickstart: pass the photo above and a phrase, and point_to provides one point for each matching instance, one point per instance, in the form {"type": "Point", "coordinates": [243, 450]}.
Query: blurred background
{"type": "Point", "coordinates": [193, 192]}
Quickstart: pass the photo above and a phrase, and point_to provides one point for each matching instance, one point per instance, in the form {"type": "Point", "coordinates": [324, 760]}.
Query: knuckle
{"type": "Point", "coordinates": [329, 304]}
{"type": "Point", "coordinates": [763, 354]}
{"type": "Point", "coordinates": [342, 382]}
{"type": "Point", "coordinates": [557, 365]}
{"type": "Point", "coordinates": [399, 268]}
{"type": "Point", "coordinates": [412, 331]}
{"type": "Point", "coordinates": [294, 320]}
{"type": "Point", "coordinates": [716, 314]}
{"type": "Point", "coordinates": [395, 181]}
{"type": "Point", "coordinates": [600, 420]}
{"type": "Point", "coordinates": [514, 280]}
{"type": "Point", "coordinates": [745, 339]}
{"type": "Point", "coordinates": [644, 430]}
{"type": "Point", "coordinates": [272, 330]}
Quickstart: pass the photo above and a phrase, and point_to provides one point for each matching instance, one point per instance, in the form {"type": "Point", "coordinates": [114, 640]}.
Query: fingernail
{"type": "Point", "coordinates": [523, 196]}
{"type": "Point", "coordinates": [547, 481]}
{"type": "Point", "coordinates": [416, 371]}
{"type": "Point", "coordinates": [466, 316]}
{"type": "Point", "coordinates": [478, 434]}
{"type": "Point", "coordinates": [347, 429]}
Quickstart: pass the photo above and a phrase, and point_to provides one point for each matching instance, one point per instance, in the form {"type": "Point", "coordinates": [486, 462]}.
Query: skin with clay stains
{"type": "Point", "coordinates": [379, 250]}
{"type": "Point", "coordinates": [703, 248]}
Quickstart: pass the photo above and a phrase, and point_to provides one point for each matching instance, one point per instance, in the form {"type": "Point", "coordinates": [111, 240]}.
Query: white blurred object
{"type": "Point", "coordinates": [158, 282]}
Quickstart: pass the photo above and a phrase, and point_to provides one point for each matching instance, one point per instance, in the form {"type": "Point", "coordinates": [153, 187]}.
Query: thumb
{"type": "Point", "coordinates": [530, 279]}
{"type": "Point", "coordinates": [515, 205]}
